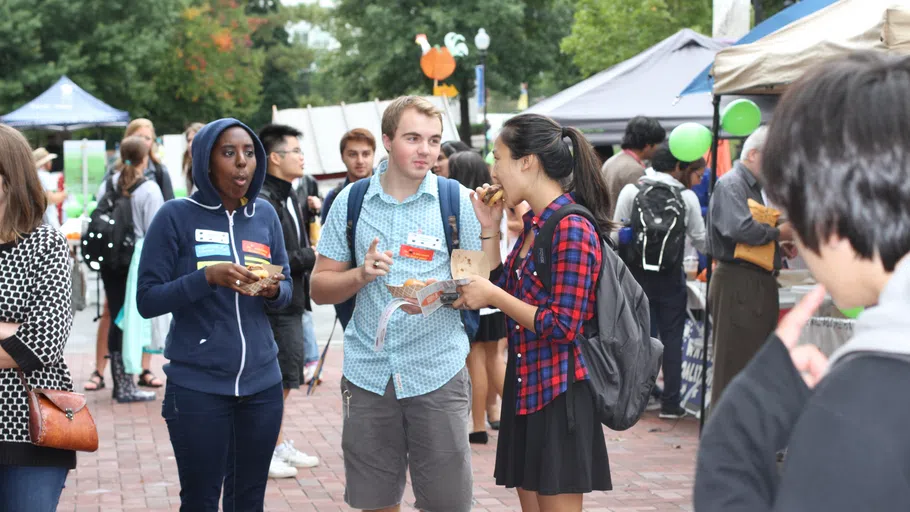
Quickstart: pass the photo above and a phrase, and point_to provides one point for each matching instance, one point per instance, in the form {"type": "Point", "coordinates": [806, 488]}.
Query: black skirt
{"type": "Point", "coordinates": [492, 327]}
{"type": "Point", "coordinates": [537, 452]}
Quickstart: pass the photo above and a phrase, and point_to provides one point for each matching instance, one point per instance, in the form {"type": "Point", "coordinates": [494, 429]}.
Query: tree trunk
{"type": "Point", "coordinates": [759, 11]}
{"type": "Point", "coordinates": [463, 102]}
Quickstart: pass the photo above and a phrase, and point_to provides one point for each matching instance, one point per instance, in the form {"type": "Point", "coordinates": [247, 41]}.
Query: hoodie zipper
{"type": "Point", "coordinates": [230, 217]}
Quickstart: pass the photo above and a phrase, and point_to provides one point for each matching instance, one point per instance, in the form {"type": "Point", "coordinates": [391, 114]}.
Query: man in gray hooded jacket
{"type": "Point", "coordinates": [839, 165]}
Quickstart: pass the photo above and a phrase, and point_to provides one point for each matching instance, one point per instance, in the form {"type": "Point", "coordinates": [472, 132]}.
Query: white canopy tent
{"type": "Point", "coordinates": [768, 65]}
{"type": "Point", "coordinates": [323, 128]}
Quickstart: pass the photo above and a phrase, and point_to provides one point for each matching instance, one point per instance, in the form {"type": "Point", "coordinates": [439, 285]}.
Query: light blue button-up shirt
{"type": "Point", "coordinates": [420, 354]}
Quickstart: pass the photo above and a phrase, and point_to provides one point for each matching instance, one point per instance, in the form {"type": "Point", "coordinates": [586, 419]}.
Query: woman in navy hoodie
{"type": "Point", "coordinates": [223, 382]}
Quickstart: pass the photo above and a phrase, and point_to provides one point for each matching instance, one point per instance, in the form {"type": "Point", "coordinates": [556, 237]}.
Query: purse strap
{"type": "Point", "coordinates": [23, 379]}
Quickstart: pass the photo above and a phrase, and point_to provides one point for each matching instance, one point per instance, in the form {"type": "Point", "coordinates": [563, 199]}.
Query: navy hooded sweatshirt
{"type": "Point", "coordinates": [220, 341]}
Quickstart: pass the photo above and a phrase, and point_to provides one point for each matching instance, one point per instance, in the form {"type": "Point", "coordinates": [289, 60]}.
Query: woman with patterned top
{"type": "Point", "coordinates": [35, 322]}
{"type": "Point", "coordinates": [551, 444]}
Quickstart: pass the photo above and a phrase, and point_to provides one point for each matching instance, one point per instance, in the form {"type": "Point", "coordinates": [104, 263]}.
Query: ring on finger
{"type": "Point", "coordinates": [237, 282]}
{"type": "Point", "coordinates": [375, 263]}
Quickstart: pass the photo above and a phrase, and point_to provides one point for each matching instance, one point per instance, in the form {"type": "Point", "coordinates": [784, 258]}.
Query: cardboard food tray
{"type": "Point", "coordinates": [463, 264]}
{"type": "Point", "coordinates": [273, 270]}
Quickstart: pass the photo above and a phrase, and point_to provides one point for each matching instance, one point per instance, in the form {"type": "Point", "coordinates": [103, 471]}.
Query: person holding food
{"type": "Point", "coordinates": [407, 403]}
{"type": "Point", "coordinates": [551, 445]}
{"type": "Point", "coordinates": [223, 402]}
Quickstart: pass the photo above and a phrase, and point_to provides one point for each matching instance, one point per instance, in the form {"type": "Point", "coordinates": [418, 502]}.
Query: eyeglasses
{"type": "Point", "coordinates": [296, 151]}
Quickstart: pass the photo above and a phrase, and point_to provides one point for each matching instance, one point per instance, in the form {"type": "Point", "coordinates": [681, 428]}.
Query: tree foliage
{"type": "Point", "coordinates": [606, 32]}
{"type": "Point", "coordinates": [213, 70]}
{"type": "Point", "coordinates": [174, 61]}
{"type": "Point", "coordinates": [113, 49]}
{"type": "Point", "coordinates": [378, 57]}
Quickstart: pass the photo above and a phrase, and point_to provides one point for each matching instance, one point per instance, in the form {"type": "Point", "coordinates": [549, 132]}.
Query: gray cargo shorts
{"type": "Point", "coordinates": [382, 435]}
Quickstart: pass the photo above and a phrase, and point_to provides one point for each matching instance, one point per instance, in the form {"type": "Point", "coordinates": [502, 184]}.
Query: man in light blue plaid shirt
{"type": "Point", "coordinates": [407, 403]}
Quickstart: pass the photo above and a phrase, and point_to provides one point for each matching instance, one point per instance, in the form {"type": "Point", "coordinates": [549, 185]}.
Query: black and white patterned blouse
{"type": "Point", "coordinates": [35, 292]}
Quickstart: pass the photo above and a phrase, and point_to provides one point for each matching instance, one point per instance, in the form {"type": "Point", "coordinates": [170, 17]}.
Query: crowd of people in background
{"type": "Point", "coordinates": [507, 355]}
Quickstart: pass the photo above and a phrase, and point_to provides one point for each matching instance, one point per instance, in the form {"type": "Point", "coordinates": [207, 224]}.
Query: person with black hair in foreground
{"type": "Point", "coordinates": [839, 166]}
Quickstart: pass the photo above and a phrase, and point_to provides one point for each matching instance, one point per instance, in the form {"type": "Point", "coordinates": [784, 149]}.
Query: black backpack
{"type": "Point", "coordinates": [620, 355]}
{"type": "Point", "coordinates": [109, 239]}
{"type": "Point", "coordinates": [658, 222]}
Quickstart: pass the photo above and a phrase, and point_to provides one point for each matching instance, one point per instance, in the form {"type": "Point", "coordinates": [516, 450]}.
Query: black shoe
{"type": "Point", "coordinates": [478, 438]}
{"type": "Point", "coordinates": [124, 388]}
{"type": "Point", "coordinates": [656, 391]}
{"type": "Point", "coordinates": [672, 413]}
{"type": "Point", "coordinates": [494, 425]}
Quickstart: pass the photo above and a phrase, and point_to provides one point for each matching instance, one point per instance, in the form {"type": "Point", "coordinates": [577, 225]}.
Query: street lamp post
{"type": "Point", "coordinates": [482, 42]}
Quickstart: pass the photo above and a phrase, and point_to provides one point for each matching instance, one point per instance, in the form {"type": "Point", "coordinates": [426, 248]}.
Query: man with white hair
{"type": "Point", "coordinates": [742, 298]}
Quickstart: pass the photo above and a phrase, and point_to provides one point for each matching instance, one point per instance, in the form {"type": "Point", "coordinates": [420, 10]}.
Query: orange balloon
{"type": "Point", "coordinates": [438, 64]}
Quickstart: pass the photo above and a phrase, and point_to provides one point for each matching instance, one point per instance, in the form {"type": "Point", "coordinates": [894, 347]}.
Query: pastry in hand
{"type": "Point", "coordinates": [414, 283]}
{"type": "Point", "coordinates": [492, 194]}
{"type": "Point", "coordinates": [258, 271]}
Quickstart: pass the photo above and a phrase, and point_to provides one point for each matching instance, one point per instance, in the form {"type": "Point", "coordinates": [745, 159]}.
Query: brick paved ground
{"type": "Point", "coordinates": [134, 468]}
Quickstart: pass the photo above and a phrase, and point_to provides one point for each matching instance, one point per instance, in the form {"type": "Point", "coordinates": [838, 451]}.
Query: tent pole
{"type": "Point", "coordinates": [84, 178]}
{"type": "Point", "coordinates": [706, 343]}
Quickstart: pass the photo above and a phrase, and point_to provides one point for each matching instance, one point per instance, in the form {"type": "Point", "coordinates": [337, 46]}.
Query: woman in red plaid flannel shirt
{"type": "Point", "coordinates": [551, 445]}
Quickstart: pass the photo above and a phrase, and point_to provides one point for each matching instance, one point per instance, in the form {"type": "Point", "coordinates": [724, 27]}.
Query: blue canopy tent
{"type": "Point", "coordinates": [705, 83]}
{"type": "Point", "coordinates": [65, 107]}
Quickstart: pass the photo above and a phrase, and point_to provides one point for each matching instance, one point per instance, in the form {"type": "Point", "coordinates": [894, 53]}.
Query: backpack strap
{"type": "Point", "coordinates": [543, 242]}
{"type": "Point", "coordinates": [449, 207]}
{"type": "Point", "coordinates": [109, 189]}
{"type": "Point", "coordinates": [355, 204]}
{"type": "Point", "coordinates": [136, 185]}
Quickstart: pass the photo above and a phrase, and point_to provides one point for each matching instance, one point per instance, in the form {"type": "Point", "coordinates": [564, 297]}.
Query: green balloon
{"type": "Point", "coordinates": [741, 117]}
{"type": "Point", "coordinates": [73, 210]}
{"type": "Point", "coordinates": [179, 192]}
{"type": "Point", "coordinates": [91, 206]}
{"type": "Point", "coordinates": [689, 141]}
{"type": "Point", "coordinates": [852, 312]}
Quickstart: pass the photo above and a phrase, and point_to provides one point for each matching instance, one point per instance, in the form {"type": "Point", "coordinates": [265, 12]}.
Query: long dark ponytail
{"type": "Point", "coordinates": [576, 167]}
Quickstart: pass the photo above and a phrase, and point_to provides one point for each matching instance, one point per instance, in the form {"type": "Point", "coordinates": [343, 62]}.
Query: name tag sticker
{"type": "Point", "coordinates": [416, 253]}
{"type": "Point", "coordinates": [215, 237]}
{"type": "Point", "coordinates": [205, 250]}
{"type": "Point", "coordinates": [257, 248]}
{"type": "Point", "coordinates": [425, 241]}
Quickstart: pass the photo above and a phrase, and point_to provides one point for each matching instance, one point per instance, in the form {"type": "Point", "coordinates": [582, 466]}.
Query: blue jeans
{"type": "Point", "coordinates": [310, 348]}
{"type": "Point", "coordinates": [667, 298]}
{"type": "Point", "coordinates": [222, 440]}
{"type": "Point", "coordinates": [31, 488]}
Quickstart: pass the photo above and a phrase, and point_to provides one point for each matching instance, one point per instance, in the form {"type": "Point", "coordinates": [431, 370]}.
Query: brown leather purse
{"type": "Point", "coordinates": [60, 419]}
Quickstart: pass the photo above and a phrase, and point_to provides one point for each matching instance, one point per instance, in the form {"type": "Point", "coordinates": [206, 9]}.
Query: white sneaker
{"type": "Point", "coordinates": [309, 371]}
{"type": "Point", "coordinates": [653, 404]}
{"type": "Point", "coordinates": [294, 457]}
{"type": "Point", "coordinates": [280, 469]}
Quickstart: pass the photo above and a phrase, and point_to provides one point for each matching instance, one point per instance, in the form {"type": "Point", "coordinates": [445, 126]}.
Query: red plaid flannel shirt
{"type": "Point", "coordinates": [542, 358]}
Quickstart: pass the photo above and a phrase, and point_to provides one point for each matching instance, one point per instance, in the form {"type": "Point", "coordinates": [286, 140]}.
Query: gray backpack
{"type": "Point", "coordinates": [619, 353]}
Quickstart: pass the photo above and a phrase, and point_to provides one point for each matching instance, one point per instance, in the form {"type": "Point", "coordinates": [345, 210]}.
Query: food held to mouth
{"type": "Point", "coordinates": [492, 194]}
